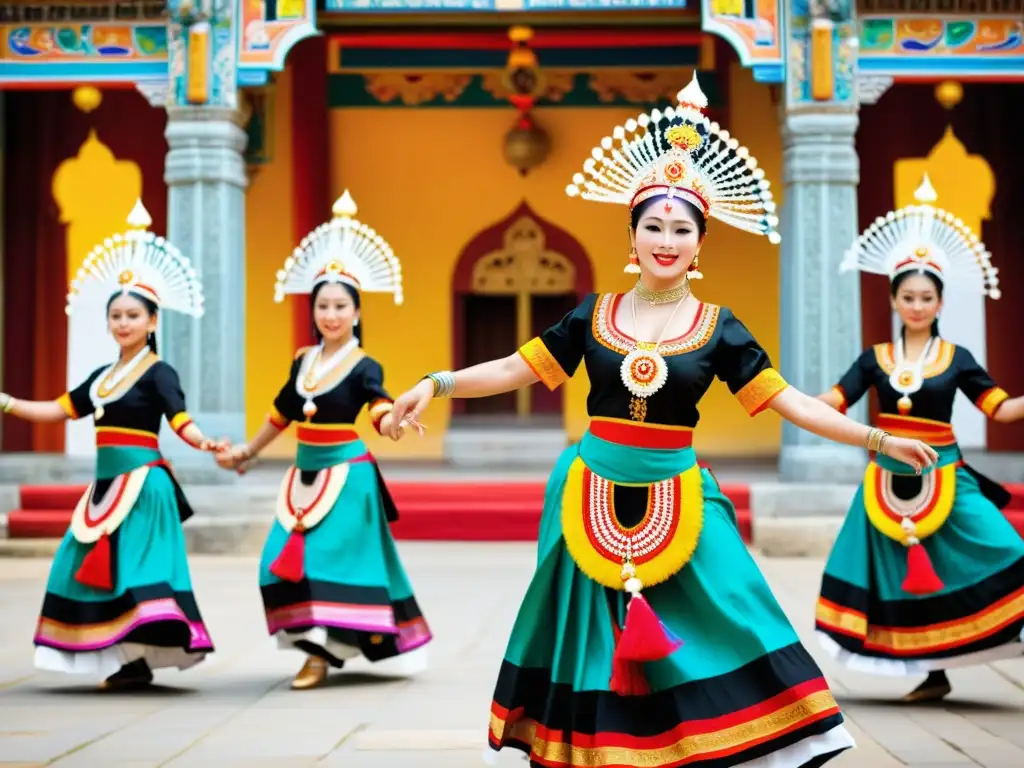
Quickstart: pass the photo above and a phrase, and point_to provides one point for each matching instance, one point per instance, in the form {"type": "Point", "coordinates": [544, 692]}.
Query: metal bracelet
{"type": "Point", "coordinates": [444, 383]}
{"type": "Point", "coordinates": [8, 402]}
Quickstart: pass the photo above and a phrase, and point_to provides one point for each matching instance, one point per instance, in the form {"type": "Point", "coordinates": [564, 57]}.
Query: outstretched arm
{"type": "Point", "coordinates": [852, 386]}
{"type": "Point", "coordinates": [991, 399]}
{"type": "Point", "coordinates": [495, 377]}
{"type": "Point", "coordinates": [819, 418]}
{"type": "Point", "coordinates": [168, 388]}
{"type": "Point", "coordinates": [1011, 410]}
{"type": "Point", "coordinates": [551, 358]}
{"type": "Point", "coordinates": [42, 411]}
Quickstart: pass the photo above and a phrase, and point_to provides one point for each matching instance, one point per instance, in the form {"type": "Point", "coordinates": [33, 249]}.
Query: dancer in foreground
{"type": "Point", "coordinates": [926, 573]}
{"type": "Point", "coordinates": [648, 636]}
{"type": "Point", "coordinates": [119, 600]}
{"type": "Point", "coordinates": [333, 585]}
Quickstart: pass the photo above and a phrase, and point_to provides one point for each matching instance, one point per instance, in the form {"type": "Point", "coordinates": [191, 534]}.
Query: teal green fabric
{"type": "Point", "coordinates": [313, 458]}
{"type": "Point", "coordinates": [112, 461]}
{"type": "Point", "coordinates": [150, 548]}
{"type": "Point", "coordinates": [352, 545]}
{"type": "Point", "coordinates": [719, 604]}
{"type": "Point", "coordinates": [975, 543]}
{"type": "Point", "coordinates": [948, 454]}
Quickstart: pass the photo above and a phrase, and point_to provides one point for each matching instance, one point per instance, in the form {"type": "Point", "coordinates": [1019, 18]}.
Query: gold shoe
{"type": "Point", "coordinates": [931, 693]}
{"type": "Point", "coordinates": [311, 675]}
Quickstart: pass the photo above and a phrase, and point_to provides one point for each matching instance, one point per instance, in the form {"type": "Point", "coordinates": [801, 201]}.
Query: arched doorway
{"type": "Point", "coordinates": [512, 281]}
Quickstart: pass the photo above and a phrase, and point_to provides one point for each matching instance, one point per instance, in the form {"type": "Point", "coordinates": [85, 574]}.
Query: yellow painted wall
{"type": "Point", "coordinates": [429, 180]}
{"type": "Point", "coordinates": [269, 241]}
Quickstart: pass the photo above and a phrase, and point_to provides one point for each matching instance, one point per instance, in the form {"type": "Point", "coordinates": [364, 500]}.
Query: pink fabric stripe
{"type": "Point", "coordinates": [362, 618]}
{"type": "Point", "coordinates": [146, 613]}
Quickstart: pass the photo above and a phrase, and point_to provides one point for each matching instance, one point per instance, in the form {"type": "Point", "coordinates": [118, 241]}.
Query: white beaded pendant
{"type": "Point", "coordinates": [643, 372]}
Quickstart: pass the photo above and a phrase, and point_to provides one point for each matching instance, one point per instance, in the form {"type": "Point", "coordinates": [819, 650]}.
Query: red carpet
{"type": "Point", "coordinates": [428, 511]}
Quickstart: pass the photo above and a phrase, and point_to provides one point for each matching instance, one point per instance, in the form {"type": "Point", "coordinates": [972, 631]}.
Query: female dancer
{"type": "Point", "coordinates": [701, 667]}
{"type": "Point", "coordinates": [119, 597]}
{"type": "Point", "coordinates": [332, 582]}
{"type": "Point", "coordinates": [926, 573]}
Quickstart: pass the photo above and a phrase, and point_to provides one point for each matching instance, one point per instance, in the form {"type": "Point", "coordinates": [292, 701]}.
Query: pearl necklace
{"type": "Point", "coordinates": [312, 372]}
{"type": "Point", "coordinates": [644, 371]}
{"type": "Point", "coordinates": [104, 389]}
{"type": "Point", "coordinates": [908, 378]}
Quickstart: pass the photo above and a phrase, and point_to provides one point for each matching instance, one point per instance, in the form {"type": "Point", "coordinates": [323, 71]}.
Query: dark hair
{"type": "Point", "coordinates": [357, 330]}
{"type": "Point", "coordinates": [894, 289]}
{"type": "Point", "coordinates": [147, 304]}
{"type": "Point", "coordinates": [695, 213]}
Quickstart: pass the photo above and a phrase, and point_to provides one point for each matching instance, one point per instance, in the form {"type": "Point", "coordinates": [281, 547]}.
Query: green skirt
{"type": "Point", "coordinates": [741, 689]}
{"type": "Point", "coordinates": [352, 596]}
{"type": "Point", "coordinates": [972, 613]}
{"type": "Point", "coordinates": [150, 613]}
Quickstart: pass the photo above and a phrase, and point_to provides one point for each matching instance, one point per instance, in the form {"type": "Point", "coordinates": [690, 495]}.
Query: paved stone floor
{"type": "Point", "coordinates": [236, 709]}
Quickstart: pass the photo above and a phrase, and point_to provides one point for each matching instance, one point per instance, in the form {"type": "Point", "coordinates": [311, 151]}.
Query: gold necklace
{"type": "Point", "coordinates": [678, 293]}
{"type": "Point", "coordinates": [644, 371]}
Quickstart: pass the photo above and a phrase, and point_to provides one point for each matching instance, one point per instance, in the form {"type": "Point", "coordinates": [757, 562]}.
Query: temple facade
{"type": "Point", "coordinates": [456, 126]}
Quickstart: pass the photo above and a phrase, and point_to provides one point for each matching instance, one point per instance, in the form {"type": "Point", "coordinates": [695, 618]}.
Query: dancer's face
{"type": "Point", "coordinates": [667, 238]}
{"type": "Point", "coordinates": [334, 313]}
{"type": "Point", "coordinates": [918, 302]}
{"type": "Point", "coordinates": [129, 321]}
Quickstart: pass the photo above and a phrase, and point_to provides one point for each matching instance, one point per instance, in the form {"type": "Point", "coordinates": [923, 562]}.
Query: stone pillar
{"type": "Point", "coordinates": [206, 179]}
{"type": "Point", "coordinates": [821, 317]}
{"type": "Point", "coordinates": [821, 320]}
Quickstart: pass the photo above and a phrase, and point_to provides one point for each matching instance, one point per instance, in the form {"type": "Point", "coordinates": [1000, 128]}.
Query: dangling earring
{"type": "Point", "coordinates": [694, 273]}
{"type": "Point", "coordinates": [633, 267]}
{"type": "Point", "coordinates": [355, 322]}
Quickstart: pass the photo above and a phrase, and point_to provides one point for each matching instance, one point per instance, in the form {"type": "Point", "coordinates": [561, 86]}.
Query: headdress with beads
{"type": "Point", "coordinates": [139, 262]}
{"type": "Point", "coordinates": [343, 250]}
{"type": "Point", "coordinates": [679, 152]}
{"type": "Point", "coordinates": [923, 238]}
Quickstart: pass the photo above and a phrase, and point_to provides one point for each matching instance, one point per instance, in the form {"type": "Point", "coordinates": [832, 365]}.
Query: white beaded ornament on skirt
{"type": "Point", "coordinates": [680, 152]}
{"type": "Point", "coordinates": [923, 237]}
{"type": "Point", "coordinates": [342, 250]}
{"type": "Point", "coordinates": [141, 262]}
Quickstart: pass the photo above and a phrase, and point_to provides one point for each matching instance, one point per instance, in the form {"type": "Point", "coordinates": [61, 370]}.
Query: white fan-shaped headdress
{"type": "Point", "coordinates": [679, 152]}
{"type": "Point", "coordinates": [925, 238]}
{"type": "Point", "coordinates": [137, 261]}
{"type": "Point", "coordinates": [343, 250]}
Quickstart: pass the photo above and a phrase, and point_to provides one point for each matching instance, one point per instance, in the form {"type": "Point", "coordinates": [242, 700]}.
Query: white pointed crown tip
{"type": "Point", "coordinates": [139, 217]}
{"type": "Point", "coordinates": [344, 207]}
{"type": "Point", "coordinates": [926, 193]}
{"type": "Point", "coordinates": [692, 93]}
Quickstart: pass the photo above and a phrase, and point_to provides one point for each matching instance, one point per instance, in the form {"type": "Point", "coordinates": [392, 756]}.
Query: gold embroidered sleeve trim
{"type": "Point", "coordinates": [64, 401]}
{"type": "Point", "coordinates": [761, 390]}
{"type": "Point", "coordinates": [276, 419]}
{"type": "Point", "coordinates": [839, 393]}
{"type": "Point", "coordinates": [991, 399]}
{"type": "Point", "coordinates": [543, 363]}
{"type": "Point", "coordinates": [180, 421]}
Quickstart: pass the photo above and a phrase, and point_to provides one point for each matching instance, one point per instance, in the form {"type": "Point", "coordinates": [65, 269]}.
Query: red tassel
{"type": "Point", "coordinates": [921, 576]}
{"type": "Point", "coordinates": [96, 569]}
{"type": "Point", "coordinates": [289, 564]}
{"type": "Point", "coordinates": [643, 637]}
{"type": "Point", "coordinates": [628, 678]}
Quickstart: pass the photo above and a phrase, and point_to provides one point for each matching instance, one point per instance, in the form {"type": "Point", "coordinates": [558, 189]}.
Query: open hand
{"type": "Point", "coordinates": [408, 408]}
{"type": "Point", "coordinates": [913, 452]}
